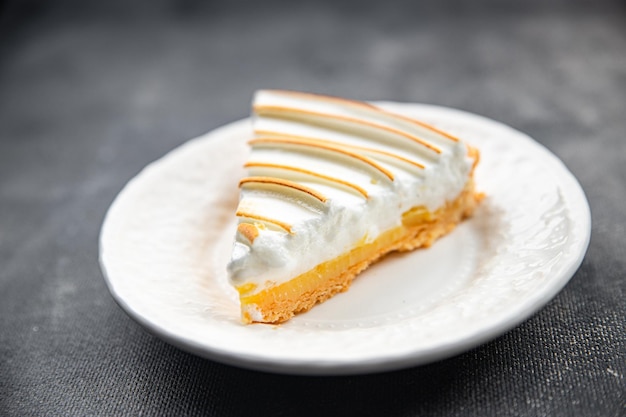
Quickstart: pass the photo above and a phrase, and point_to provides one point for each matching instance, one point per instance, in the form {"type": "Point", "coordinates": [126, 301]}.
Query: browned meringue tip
{"type": "Point", "coordinates": [284, 183]}
{"type": "Point", "coordinates": [355, 187]}
{"type": "Point", "coordinates": [325, 146]}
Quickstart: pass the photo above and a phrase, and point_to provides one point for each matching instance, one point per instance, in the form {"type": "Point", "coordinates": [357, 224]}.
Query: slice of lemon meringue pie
{"type": "Point", "coordinates": [332, 186]}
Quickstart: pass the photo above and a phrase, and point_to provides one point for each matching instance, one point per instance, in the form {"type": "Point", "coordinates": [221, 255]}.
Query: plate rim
{"type": "Point", "coordinates": [380, 363]}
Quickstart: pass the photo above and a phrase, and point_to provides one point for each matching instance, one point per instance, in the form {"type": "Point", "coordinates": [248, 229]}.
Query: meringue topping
{"type": "Point", "coordinates": [325, 174]}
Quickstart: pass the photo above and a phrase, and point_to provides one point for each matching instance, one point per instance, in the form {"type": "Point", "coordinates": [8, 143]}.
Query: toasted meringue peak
{"type": "Point", "coordinates": [283, 183]}
{"type": "Point", "coordinates": [253, 216]}
{"type": "Point", "coordinates": [323, 146]}
{"type": "Point", "coordinates": [249, 231]}
{"type": "Point", "coordinates": [298, 170]}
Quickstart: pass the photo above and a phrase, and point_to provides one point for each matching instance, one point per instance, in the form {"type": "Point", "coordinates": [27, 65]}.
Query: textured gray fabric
{"type": "Point", "coordinates": [91, 92]}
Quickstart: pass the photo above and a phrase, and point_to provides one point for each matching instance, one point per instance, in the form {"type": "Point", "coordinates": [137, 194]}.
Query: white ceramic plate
{"type": "Point", "coordinates": [166, 240]}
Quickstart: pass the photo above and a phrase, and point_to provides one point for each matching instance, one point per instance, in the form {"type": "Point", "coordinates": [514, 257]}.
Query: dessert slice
{"type": "Point", "coordinates": [332, 186]}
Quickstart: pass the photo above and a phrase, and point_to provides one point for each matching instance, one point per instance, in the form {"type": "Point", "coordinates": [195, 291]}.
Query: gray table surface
{"type": "Point", "coordinates": [92, 92]}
